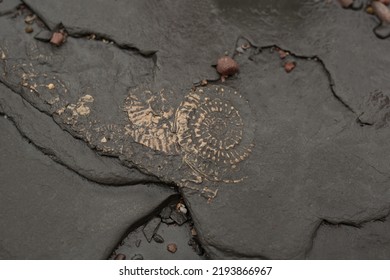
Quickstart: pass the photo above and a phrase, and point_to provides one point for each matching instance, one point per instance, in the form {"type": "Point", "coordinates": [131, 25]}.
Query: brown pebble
{"type": "Point", "coordinates": [369, 10]}
{"type": "Point", "coordinates": [346, 3]}
{"type": "Point", "coordinates": [193, 232]}
{"type": "Point", "coordinates": [289, 66]}
{"type": "Point", "coordinates": [57, 38]}
{"type": "Point", "coordinates": [203, 83]}
{"type": "Point", "coordinates": [172, 247]}
{"type": "Point", "coordinates": [29, 29]}
{"type": "Point", "coordinates": [120, 257]}
{"type": "Point", "coordinates": [381, 11]}
{"type": "Point", "coordinates": [283, 54]}
{"type": "Point", "coordinates": [227, 66]}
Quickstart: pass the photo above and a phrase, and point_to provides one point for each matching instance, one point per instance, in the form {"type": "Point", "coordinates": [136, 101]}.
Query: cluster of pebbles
{"type": "Point", "coordinates": [173, 215]}
{"type": "Point", "coordinates": [379, 8]}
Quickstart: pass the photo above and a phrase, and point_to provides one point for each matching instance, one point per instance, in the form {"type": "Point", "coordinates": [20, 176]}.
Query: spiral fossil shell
{"type": "Point", "coordinates": [212, 128]}
{"type": "Point", "coordinates": [214, 131]}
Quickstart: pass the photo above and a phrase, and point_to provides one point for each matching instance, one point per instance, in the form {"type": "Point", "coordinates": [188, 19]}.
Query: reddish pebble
{"type": "Point", "coordinates": [28, 29]}
{"type": "Point", "coordinates": [289, 66]}
{"type": "Point", "coordinates": [172, 248]}
{"type": "Point", "coordinates": [282, 54]}
{"type": "Point", "coordinates": [386, 2]}
{"type": "Point", "coordinates": [57, 38]}
{"type": "Point", "coordinates": [381, 11]}
{"type": "Point", "coordinates": [120, 257]}
{"type": "Point", "coordinates": [227, 66]}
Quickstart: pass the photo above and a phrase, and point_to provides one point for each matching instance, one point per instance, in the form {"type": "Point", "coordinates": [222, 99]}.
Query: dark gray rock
{"type": "Point", "coordinates": [382, 30]}
{"type": "Point", "coordinates": [168, 221]}
{"type": "Point", "coordinates": [49, 212]}
{"type": "Point", "coordinates": [151, 228]}
{"type": "Point", "coordinates": [73, 153]}
{"type": "Point", "coordinates": [178, 217]}
{"type": "Point", "coordinates": [166, 212]}
{"type": "Point", "coordinates": [311, 159]}
{"type": "Point", "coordinates": [190, 44]}
{"type": "Point", "coordinates": [158, 238]}
{"type": "Point", "coordinates": [44, 36]}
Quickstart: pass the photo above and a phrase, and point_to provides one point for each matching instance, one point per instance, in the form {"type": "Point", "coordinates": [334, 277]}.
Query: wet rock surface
{"type": "Point", "coordinates": [297, 138]}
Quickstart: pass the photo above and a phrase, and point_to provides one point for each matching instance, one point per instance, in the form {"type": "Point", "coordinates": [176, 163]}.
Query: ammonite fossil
{"type": "Point", "coordinates": [212, 128]}
{"type": "Point", "coordinates": [151, 119]}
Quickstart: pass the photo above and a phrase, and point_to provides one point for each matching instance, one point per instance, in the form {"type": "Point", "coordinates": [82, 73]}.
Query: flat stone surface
{"type": "Point", "coordinates": [262, 159]}
{"type": "Point", "coordinates": [65, 149]}
{"type": "Point", "coordinates": [8, 6]}
{"type": "Point", "coordinates": [368, 242]}
{"type": "Point", "coordinates": [47, 212]}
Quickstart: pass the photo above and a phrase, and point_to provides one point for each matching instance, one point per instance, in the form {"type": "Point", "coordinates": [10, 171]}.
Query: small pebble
{"type": "Point", "coordinates": [167, 221]}
{"type": "Point", "coordinates": [382, 31]}
{"type": "Point", "coordinates": [245, 46]}
{"type": "Point", "coordinates": [43, 35]}
{"type": "Point", "coordinates": [29, 29]}
{"type": "Point", "coordinates": [193, 232]}
{"type": "Point", "coordinates": [357, 4]}
{"type": "Point", "coordinates": [289, 66]}
{"type": "Point", "coordinates": [172, 247]}
{"type": "Point", "coordinates": [183, 210]}
{"type": "Point", "coordinates": [166, 212]}
{"type": "Point", "coordinates": [57, 38]}
{"type": "Point", "coordinates": [381, 11]}
{"type": "Point", "coordinates": [120, 257]}
{"type": "Point", "coordinates": [369, 10]}
{"type": "Point", "coordinates": [227, 66]}
{"type": "Point", "coordinates": [283, 54]}
{"type": "Point", "coordinates": [51, 86]}
{"type": "Point", "coordinates": [203, 83]}
{"type": "Point", "coordinates": [158, 238]}
{"type": "Point", "coordinates": [239, 50]}
{"type": "Point", "coordinates": [137, 257]}
{"type": "Point", "coordinates": [30, 19]}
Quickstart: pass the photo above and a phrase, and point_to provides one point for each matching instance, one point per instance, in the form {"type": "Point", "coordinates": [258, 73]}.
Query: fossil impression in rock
{"type": "Point", "coordinates": [150, 117]}
{"type": "Point", "coordinates": [212, 129]}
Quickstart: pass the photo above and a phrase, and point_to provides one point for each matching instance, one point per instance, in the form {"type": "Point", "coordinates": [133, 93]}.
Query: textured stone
{"type": "Point", "coordinates": [313, 159]}
{"type": "Point", "coordinates": [48, 136]}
